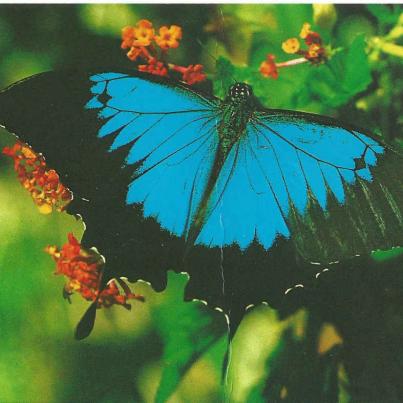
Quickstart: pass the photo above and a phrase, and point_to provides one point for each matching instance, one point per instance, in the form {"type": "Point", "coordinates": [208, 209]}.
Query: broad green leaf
{"type": "Point", "coordinates": [345, 75]}
{"type": "Point", "coordinates": [107, 19]}
{"type": "Point", "coordinates": [281, 93]}
{"type": "Point", "coordinates": [295, 368]}
{"type": "Point", "coordinates": [223, 76]}
{"type": "Point", "coordinates": [387, 14]}
{"type": "Point", "coordinates": [188, 330]}
{"type": "Point", "coordinates": [357, 73]}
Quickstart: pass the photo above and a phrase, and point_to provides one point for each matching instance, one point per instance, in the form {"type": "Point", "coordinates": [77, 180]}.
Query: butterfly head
{"type": "Point", "coordinates": [240, 92]}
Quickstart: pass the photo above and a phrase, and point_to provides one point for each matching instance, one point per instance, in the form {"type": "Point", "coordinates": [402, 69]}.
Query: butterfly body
{"type": "Point", "coordinates": [237, 110]}
{"type": "Point", "coordinates": [241, 197]}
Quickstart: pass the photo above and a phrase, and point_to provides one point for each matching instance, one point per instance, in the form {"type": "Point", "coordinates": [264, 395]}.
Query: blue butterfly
{"type": "Point", "coordinates": [247, 200]}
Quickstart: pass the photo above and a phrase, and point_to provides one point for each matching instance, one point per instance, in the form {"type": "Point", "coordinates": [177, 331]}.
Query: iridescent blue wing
{"type": "Point", "coordinates": [173, 139]}
{"type": "Point", "coordinates": [332, 190]}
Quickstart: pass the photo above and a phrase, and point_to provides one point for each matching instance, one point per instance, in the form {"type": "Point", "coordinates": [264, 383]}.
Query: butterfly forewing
{"type": "Point", "coordinates": [335, 178]}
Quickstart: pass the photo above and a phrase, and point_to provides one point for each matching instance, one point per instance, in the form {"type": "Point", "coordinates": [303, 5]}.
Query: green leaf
{"type": "Point", "coordinates": [384, 255]}
{"type": "Point", "coordinates": [357, 74]}
{"type": "Point", "coordinates": [223, 76]}
{"type": "Point", "coordinates": [188, 330]}
{"type": "Point", "coordinates": [387, 14]}
{"type": "Point", "coordinates": [345, 75]}
{"type": "Point", "coordinates": [295, 368]}
{"type": "Point", "coordinates": [108, 19]}
{"type": "Point", "coordinates": [281, 93]}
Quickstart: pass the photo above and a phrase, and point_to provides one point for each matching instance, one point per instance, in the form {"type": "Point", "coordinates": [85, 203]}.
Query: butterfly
{"type": "Point", "coordinates": [247, 200]}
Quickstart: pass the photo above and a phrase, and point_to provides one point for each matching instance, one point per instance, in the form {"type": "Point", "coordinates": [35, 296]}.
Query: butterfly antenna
{"type": "Point", "coordinates": [222, 29]}
{"type": "Point", "coordinates": [204, 47]}
{"type": "Point", "coordinates": [234, 81]}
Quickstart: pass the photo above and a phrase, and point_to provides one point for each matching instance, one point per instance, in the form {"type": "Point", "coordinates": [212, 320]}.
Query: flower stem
{"type": "Point", "coordinates": [292, 62]}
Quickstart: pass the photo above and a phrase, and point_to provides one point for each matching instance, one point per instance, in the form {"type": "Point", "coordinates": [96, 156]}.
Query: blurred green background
{"type": "Point", "coordinates": [165, 344]}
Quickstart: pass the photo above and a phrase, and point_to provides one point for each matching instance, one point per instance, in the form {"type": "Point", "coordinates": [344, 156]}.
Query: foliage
{"type": "Point", "coordinates": [187, 331]}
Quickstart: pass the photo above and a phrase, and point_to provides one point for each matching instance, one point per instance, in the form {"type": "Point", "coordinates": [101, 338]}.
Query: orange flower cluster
{"type": "Point", "coordinates": [42, 183]}
{"type": "Point", "coordinates": [315, 52]}
{"type": "Point", "coordinates": [145, 45]}
{"type": "Point", "coordinates": [83, 268]}
{"type": "Point", "coordinates": [268, 68]}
